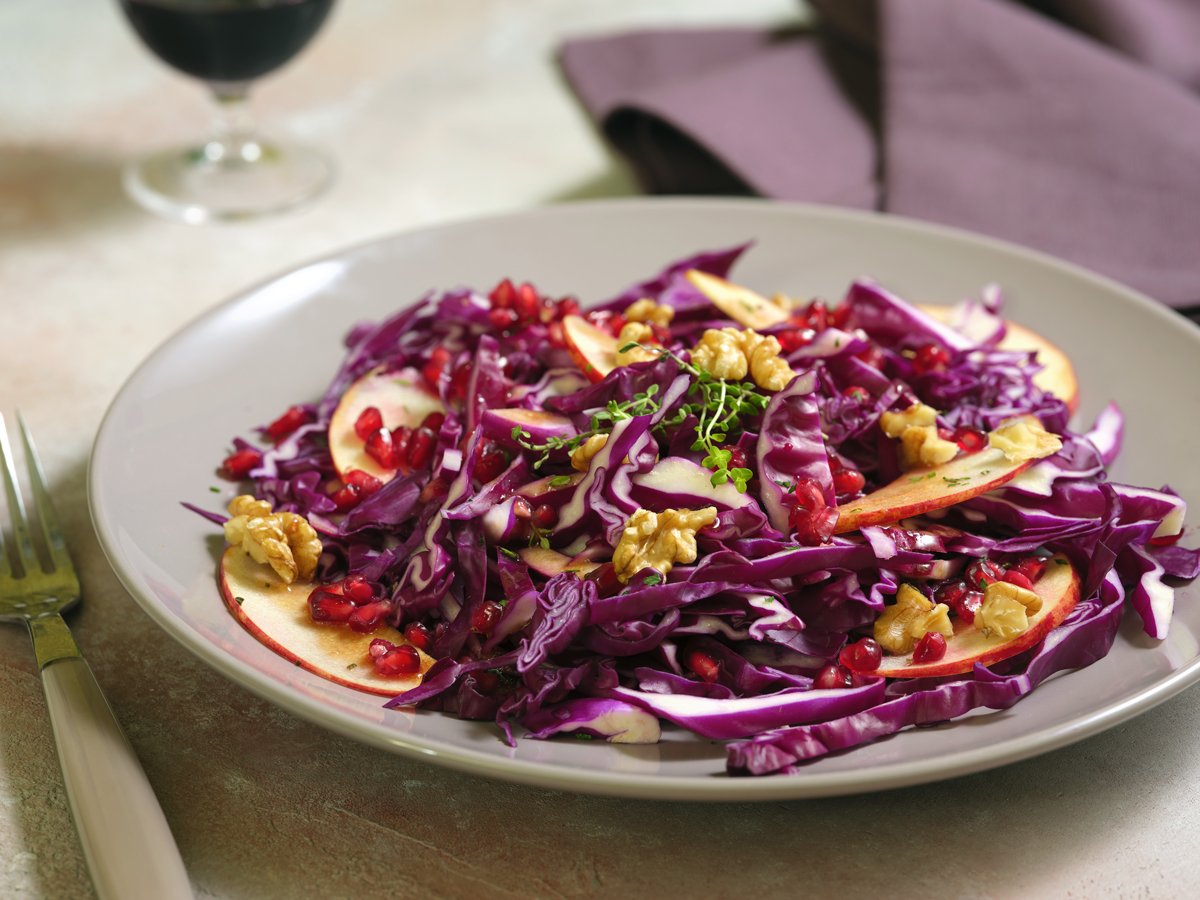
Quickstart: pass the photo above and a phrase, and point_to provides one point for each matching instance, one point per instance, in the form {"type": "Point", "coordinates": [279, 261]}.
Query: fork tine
{"type": "Point", "coordinates": [16, 507]}
{"type": "Point", "coordinates": [45, 506]}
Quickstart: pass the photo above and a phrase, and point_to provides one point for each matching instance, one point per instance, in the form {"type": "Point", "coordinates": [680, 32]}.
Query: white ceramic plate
{"type": "Point", "coordinates": [279, 343]}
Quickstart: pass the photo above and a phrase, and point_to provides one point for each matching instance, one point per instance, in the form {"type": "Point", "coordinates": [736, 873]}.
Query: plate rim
{"type": "Point", "coordinates": [594, 781]}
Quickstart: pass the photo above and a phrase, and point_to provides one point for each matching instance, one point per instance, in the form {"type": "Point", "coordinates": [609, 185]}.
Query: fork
{"type": "Point", "coordinates": [127, 843]}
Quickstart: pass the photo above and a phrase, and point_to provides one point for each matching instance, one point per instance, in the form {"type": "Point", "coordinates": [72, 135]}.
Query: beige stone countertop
{"type": "Point", "coordinates": [435, 110]}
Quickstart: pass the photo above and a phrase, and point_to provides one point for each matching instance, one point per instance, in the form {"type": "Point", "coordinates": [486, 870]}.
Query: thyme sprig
{"type": "Point", "coordinates": [718, 408]}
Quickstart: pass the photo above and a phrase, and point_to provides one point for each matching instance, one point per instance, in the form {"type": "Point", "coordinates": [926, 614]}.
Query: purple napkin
{"type": "Point", "coordinates": [1073, 129]}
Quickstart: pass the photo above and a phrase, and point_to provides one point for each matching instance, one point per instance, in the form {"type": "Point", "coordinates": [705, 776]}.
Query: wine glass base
{"type": "Point", "coordinates": [212, 184]}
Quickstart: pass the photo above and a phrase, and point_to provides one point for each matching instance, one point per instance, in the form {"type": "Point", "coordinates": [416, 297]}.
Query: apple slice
{"type": "Point", "coordinates": [1057, 375]}
{"type": "Point", "coordinates": [401, 399]}
{"type": "Point", "coordinates": [541, 426]}
{"type": "Point", "coordinates": [550, 562]}
{"type": "Point", "coordinates": [277, 614]}
{"type": "Point", "coordinates": [744, 306]}
{"type": "Point", "coordinates": [1059, 589]}
{"type": "Point", "coordinates": [594, 351]}
{"type": "Point", "coordinates": [926, 488]}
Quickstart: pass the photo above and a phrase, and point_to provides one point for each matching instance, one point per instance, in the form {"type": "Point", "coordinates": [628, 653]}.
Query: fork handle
{"type": "Point", "coordinates": [127, 843]}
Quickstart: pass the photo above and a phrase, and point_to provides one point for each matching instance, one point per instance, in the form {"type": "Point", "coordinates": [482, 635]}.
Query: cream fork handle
{"type": "Point", "coordinates": [127, 843]}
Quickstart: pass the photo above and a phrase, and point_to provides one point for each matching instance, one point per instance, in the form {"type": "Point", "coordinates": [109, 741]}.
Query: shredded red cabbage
{"type": "Point", "coordinates": [733, 644]}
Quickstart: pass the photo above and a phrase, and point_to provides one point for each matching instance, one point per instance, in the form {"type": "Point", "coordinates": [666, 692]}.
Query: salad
{"type": "Point", "coordinates": [790, 527]}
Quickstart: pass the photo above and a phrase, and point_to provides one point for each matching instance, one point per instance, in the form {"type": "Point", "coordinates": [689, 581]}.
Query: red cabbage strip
{"type": "Point", "coordinates": [742, 716]}
{"type": "Point", "coordinates": [1152, 599]}
{"type": "Point", "coordinates": [889, 319]}
{"type": "Point", "coordinates": [681, 296]}
{"type": "Point", "coordinates": [1070, 646]}
{"type": "Point", "coordinates": [790, 447]}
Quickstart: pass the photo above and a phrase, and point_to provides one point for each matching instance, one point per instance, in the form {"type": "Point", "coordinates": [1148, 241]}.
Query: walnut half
{"type": "Point", "coordinates": [659, 540]}
{"type": "Point", "coordinates": [284, 540]}
{"type": "Point", "coordinates": [732, 354]}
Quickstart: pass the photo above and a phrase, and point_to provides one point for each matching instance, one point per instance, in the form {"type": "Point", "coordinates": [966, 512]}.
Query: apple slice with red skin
{"type": "Point", "coordinates": [926, 488]}
{"type": "Point", "coordinates": [277, 614]}
{"type": "Point", "coordinates": [1059, 588]}
{"type": "Point", "coordinates": [594, 351]}
{"type": "Point", "coordinates": [744, 306]}
{"type": "Point", "coordinates": [1057, 375]}
{"type": "Point", "coordinates": [400, 397]}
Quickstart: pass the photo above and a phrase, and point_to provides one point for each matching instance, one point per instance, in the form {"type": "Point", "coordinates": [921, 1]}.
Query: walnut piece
{"type": "Point", "coordinates": [920, 445]}
{"type": "Point", "coordinates": [581, 458]}
{"type": "Point", "coordinates": [634, 333]}
{"type": "Point", "coordinates": [283, 540]}
{"type": "Point", "coordinates": [909, 619]}
{"type": "Point", "coordinates": [1021, 439]}
{"type": "Point", "coordinates": [732, 354]}
{"type": "Point", "coordinates": [659, 540]}
{"type": "Point", "coordinates": [1005, 609]}
{"type": "Point", "coordinates": [646, 310]}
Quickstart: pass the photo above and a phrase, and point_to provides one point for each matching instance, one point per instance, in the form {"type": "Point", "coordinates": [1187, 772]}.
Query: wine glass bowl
{"type": "Point", "coordinates": [235, 174]}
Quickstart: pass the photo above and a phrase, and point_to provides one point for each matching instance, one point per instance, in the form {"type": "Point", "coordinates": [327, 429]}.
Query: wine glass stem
{"type": "Point", "coordinates": [234, 141]}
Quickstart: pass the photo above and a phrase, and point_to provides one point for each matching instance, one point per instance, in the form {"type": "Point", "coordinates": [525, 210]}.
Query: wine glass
{"type": "Point", "coordinates": [227, 43]}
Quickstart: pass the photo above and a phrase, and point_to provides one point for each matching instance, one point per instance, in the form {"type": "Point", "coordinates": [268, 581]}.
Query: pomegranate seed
{"type": "Point", "coordinates": [848, 481]}
{"type": "Point", "coordinates": [502, 319]}
{"type": "Point", "coordinates": [615, 324]}
{"type": "Point", "coordinates": [606, 580]}
{"type": "Point", "coordinates": [861, 656]}
{"type": "Point", "coordinates": [873, 356]}
{"type": "Point", "coordinates": [840, 317]}
{"type": "Point", "coordinates": [238, 465]}
{"type": "Point", "coordinates": [439, 358]}
{"type": "Point", "coordinates": [420, 448]}
{"type": "Point", "coordinates": [737, 458]}
{"type": "Point", "coordinates": [486, 682]}
{"type": "Point", "coordinates": [522, 509]}
{"type": "Point", "coordinates": [972, 440]}
{"type": "Point", "coordinates": [402, 660]}
{"type": "Point", "coordinates": [830, 678]}
{"type": "Point", "coordinates": [794, 338]}
{"type": "Point", "coordinates": [857, 394]}
{"type": "Point", "coordinates": [526, 303]}
{"type": "Point", "coordinates": [1165, 540]}
{"type": "Point", "coordinates": [810, 494]}
{"type": "Point", "coordinates": [379, 648]}
{"type": "Point", "coordinates": [1031, 567]}
{"type": "Point", "coordinates": [326, 606]}
{"type": "Point", "coordinates": [346, 497]}
{"type": "Point", "coordinates": [704, 665]}
{"type": "Point", "coordinates": [930, 648]}
{"type": "Point", "coordinates": [966, 608]}
{"type": "Point", "coordinates": [490, 465]}
{"type": "Point", "coordinates": [437, 487]}
{"type": "Point", "coordinates": [433, 421]}
{"type": "Point", "coordinates": [930, 358]}
{"type": "Point", "coordinates": [813, 528]}
{"type": "Point", "coordinates": [367, 484]}
{"type": "Point", "coordinates": [567, 306]}
{"type": "Point", "coordinates": [287, 423]}
{"type": "Point", "coordinates": [369, 421]}
{"type": "Point", "coordinates": [814, 316]}
{"type": "Point", "coordinates": [400, 440]}
{"type": "Point", "coordinates": [459, 380]}
{"type": "Point", "coordinates": [983, 572]}
{"type": "Point", "coordinates": [368, 616]}
{"type": "Point", "coordinates": [951, 593]}
{"type": "Point", "coordinates": [357, 589]}
{"type": "Point", "coordinates": [545, 516]}
{"type": "Point", "coordinates": [1020, 579]}
{"type": "Point", "coordinates": [556, 336]}
{"type": "Point", "coordinates": [380, 448]}
{"type": "Point", "coordinates": [418, 635]}
{"type": "Point", "coordinates": [485, 617]}
{"type": "Point", "coordinates": [503, 295]}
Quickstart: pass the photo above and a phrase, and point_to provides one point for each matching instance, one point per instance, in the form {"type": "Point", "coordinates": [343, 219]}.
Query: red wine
{"type": "Point", "coordinates": [226, 40]}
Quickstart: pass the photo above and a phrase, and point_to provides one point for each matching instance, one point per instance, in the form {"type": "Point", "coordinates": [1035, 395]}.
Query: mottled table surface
{"type": "Point", "coordinates": [436, 110]}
